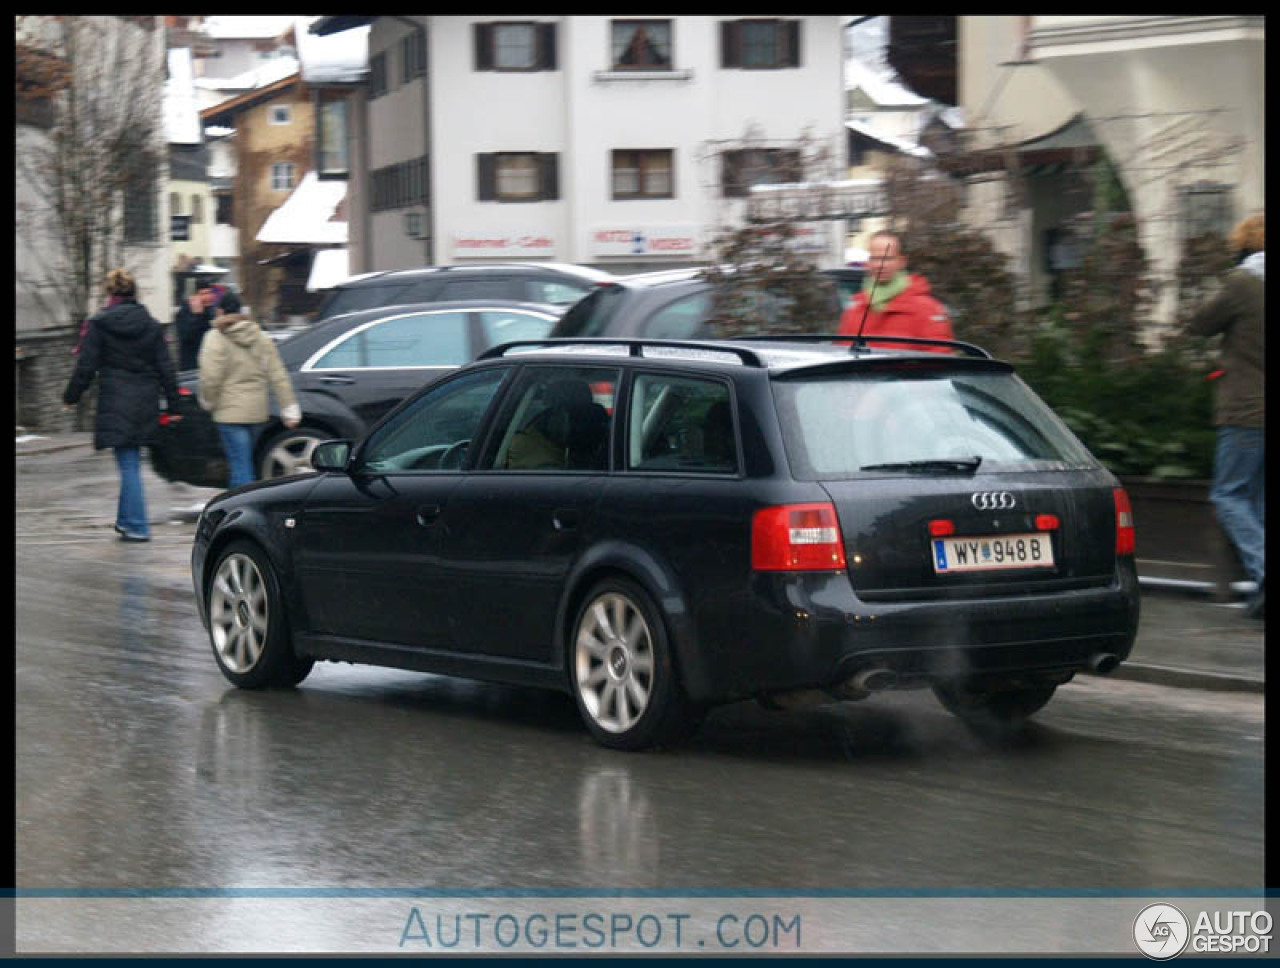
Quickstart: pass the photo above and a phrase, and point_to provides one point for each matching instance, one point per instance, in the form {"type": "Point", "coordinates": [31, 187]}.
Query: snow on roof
{"type": "Point", "coordinates": [334, 59]}
{"type": "Point", "coordinates": [307, 216]}
{"type": "Point", "coordinates": [217, 131]}
{"type": "Point", "coordinates": [246, 28]}
{"type": "Point", "coordinates": [181, 117]}
{"type": "Point", "coordinates": [882, 89]}
{"type": "Point", "coordinates": [897, 144]}
{"type": "Point", "coordinates": [265, 73]}
{"type": "Point", "coordinates": [328, 268]}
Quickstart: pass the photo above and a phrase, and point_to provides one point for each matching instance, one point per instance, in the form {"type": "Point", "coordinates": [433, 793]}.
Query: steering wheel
{"type": "Point", "coordinates": [454, 453]}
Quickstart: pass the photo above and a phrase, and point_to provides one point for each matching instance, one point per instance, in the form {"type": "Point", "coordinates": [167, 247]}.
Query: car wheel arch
{"type": "Point", "coordinates": [632, 563]}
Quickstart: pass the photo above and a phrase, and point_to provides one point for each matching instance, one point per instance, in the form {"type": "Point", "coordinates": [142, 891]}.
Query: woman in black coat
{"type": "Point", "coordinates": [125, 347]}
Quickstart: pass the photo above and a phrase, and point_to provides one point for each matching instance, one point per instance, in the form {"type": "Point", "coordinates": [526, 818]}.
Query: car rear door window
{"type": "Point", "coordinates": [682, 319]}
{"type": "Point", "coordinates": [679, 423]}
{"type": "Point", "coordinates": [503, 326]}
{"type": "Point", "coordinates": [485, 287]}
{"type": "Point", "coordinates": [555, 292]}
{"type": "Point", "coordinates": [423, 291]}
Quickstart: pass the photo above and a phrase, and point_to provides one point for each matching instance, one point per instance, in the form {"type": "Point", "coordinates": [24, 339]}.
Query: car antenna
{"type": "Point", "coordinates": [875, 281]}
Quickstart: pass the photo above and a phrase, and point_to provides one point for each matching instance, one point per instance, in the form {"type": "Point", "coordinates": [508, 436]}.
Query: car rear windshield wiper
{"type": "Point", "coordinates": [961, 465]}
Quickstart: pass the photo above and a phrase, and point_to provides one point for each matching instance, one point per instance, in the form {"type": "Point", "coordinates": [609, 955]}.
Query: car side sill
{"type": "Point", "coordinates": [468, 666]}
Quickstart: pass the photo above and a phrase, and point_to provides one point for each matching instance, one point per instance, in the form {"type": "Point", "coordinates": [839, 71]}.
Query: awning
{"type": "Point", "coordinates": [1070, 145]}
{"type": "Point", "coordinates": [331, 266]}
{"type": "Point", "coordinates": [309, 215]}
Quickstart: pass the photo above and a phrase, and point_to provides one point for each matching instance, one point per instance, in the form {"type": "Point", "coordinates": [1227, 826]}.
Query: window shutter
{"type": "Point", "coordinates": [547, 47]}
{"type": "Point", "coordinates": [549, 189]}
{"type": "Point", "coordinates": [729, 174]}
{"type": "Point", "coordinates": [793, 42]}
{"type": "Point", "coordinates": [730, 43]}
{"type": "Point", "coordinates": [486, 178]}
{"type": "Point", "coordinates": [484, 47]}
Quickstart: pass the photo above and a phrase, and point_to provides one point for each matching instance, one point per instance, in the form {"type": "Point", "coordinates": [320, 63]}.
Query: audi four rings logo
{"type": "Point", "coordinates": [993, 500]}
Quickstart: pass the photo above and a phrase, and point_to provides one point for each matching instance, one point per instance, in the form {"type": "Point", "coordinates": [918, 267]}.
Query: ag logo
{"type": "Point", "coordinates": [1161, 931]}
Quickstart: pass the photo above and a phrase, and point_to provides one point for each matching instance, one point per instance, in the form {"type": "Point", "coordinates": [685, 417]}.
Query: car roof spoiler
{"type": "Point", "coordinates": [858, 344]}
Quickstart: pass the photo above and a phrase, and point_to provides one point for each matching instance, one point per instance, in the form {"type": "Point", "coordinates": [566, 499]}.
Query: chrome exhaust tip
{"type": "Point", "coordinates": [1101, 663]}
{"type": "Point", "coordinates": [874, 680]}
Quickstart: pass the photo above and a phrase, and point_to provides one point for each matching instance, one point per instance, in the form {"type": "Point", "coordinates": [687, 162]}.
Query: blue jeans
{"type": "Point", "coordinates": [1239, 494]}
{"type": "Point", "coordinates": [131, 510]}
{"type": "Point", "coordinates": [237, 443]}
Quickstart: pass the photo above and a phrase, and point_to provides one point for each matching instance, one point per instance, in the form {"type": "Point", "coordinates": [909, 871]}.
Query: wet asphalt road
{"type": "Point", "coordinates": [137, 765]}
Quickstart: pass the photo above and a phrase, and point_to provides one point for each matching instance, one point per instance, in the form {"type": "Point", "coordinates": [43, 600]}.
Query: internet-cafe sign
{"type": "Point", "coordinates": [644, 240]}
{"type": "Point", "coordinates": [479, 245]}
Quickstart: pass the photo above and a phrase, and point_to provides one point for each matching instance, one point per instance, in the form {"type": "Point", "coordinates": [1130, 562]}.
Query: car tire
{"type": "Point", "coordinates": [622, 673]}
{"type": "Point", "coordinates": [289, 452]}
{"type": "Point", "coordinates": [997, 708]}
{"type": "Point", "coordinates": [248, 627]}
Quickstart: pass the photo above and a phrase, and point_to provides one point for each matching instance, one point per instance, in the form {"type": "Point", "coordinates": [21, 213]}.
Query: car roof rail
{"type": "Point", "coordinates": [635, 347]}
{"type": "Point", "coordinates": [858, 344]}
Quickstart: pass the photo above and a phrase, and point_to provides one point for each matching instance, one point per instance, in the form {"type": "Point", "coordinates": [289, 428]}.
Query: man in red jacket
{"type": "Point", "coordinates": [900, 302]}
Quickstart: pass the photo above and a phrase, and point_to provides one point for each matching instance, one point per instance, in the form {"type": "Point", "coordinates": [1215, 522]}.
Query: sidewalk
{"type": "Point", "coordinates": [1184, 639]}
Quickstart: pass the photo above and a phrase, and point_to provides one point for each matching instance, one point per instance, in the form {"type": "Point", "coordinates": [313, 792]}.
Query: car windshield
{"type": "Point", "coordinates": [930, 421]}
{"type": "Point", "coordinates": [590, 315]}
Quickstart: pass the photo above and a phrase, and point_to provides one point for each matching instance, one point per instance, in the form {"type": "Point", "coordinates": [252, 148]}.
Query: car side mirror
{"type": "Point", "coordinates": [332, 455]}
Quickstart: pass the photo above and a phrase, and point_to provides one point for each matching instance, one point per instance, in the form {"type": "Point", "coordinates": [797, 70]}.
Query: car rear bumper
{"type": "Point", "coordinates": [812, 631]}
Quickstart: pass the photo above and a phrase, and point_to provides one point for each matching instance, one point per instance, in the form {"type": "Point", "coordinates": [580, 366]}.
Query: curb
{"type": "Point", "coordinates": [50, 449]}
{"type": "Point", "coordinates": [1186, 678]}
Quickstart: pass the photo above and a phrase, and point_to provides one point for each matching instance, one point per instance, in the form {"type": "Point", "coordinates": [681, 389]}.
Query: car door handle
{"type": "Point", "coordinates": [427, 514]}
{"type": "Point", "coordinates": [564, 519]}
{"type": "Point", "coordinates": [344, 381]}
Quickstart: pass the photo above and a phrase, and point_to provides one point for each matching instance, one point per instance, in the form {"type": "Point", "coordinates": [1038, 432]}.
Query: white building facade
{"type": "Point", "coordinates": [592, 140]}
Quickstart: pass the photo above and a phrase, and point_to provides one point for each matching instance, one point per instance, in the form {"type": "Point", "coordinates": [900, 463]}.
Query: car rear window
{"type": "Point", "coordinates": [837, 426]}
{"type": "Point", "coordinates": [591, 314]}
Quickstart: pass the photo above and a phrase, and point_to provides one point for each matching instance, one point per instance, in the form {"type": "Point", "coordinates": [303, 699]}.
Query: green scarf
{"type": "Point", "coordinates": [885, 291]}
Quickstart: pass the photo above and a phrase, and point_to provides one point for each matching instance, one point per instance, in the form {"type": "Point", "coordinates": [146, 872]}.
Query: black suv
{"type": "Point", "coordinates": [674, 304]}
{"type": "Point", "coordinates": [657, 527]}
{"type": "Point", "coordinates": [549, 283]}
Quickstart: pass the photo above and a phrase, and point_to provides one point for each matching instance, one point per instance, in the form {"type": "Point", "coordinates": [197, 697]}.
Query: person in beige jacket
{"type": "Point", "coordinates": [238, 364]}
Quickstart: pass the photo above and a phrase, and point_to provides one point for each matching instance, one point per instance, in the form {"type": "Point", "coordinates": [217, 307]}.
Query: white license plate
{"type": "Point", "coordinates": [995, 553]}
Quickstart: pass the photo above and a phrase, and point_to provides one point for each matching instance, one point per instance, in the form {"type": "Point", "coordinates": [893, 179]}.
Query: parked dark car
{"type": "Point", "coordinates": [675, 304]}
{"type": "Point", "coordinates": [546, 283]}
{"type": "Point", "coordinates": [347, 372]}
{"type": "Point", "coordinates": [660, 527]}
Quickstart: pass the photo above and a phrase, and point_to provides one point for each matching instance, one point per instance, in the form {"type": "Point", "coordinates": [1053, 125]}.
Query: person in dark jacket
{"type": "Point", "coordinates": [125, 348]}
{"type": "Point", "coordinates": [1238, 313]}
{"type": "Point", "coordinates": [192, 322]}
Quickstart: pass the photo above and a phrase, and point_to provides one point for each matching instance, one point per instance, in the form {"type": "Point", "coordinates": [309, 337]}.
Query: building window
{"type": "Point", "coordinates": [281, 114]}
{"type": "Point", "coordinates": [282, 176]}
{"type": "Point", "coordinates": [1204, 208]}
{"type": "Point", "coordinates": [331, 139]}
{"type": "Point", "coordinates": [399, 186]}
{"type": "Point", "coordinates": [175, 203]}
{"type": "Point", "coordinates": [641, 45]}
{"type": "Point", "coordinates": [140, 202]}
{"type": "Point", "coordinates": [197, 210]}
{"type": "Point", "coordinates": [413, 56]}
{"type": "Point", "coordinates": [377, 75]}
{"type": "Point", "coordinates": [760, 44]}
{"type": "Point", "coordinates": [642, 174]}
{"type": "Point", "coordinates": [515, 47]}
{"type": "Point", "coordinates": [222, 214]}
{"type": "Point", "coordinates": [759, 166]}
{"type": "Point", "coordinates": [517, 176]}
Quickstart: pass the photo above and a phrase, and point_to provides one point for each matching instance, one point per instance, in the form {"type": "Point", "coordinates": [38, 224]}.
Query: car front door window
{"type": "Point", "coordinates": [433, 433]}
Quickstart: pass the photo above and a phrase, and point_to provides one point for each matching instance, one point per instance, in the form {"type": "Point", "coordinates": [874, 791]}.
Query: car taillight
{"type": "Point", "coordinates": [1125, 538]}
{"type": "Point", "coordinates": [797, 537]}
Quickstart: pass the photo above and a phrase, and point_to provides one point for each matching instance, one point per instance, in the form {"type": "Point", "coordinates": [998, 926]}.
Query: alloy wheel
{"type": "Point", "coordinates": [614, 662]}
{"type": "Point", "coordinates": [290, 455]}
{"type": "Point", "coordinates": [238, 616]}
